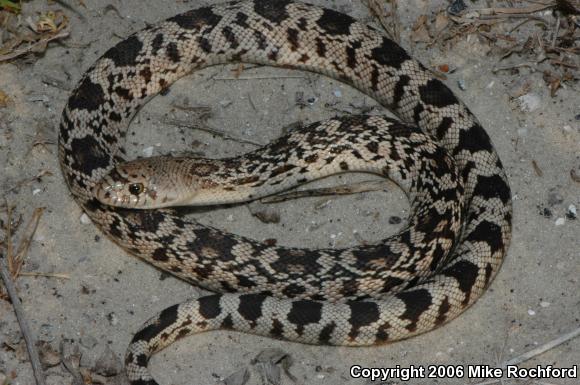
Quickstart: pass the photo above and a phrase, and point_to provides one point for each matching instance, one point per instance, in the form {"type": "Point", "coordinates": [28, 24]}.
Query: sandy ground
{"type": "Point", "coordinates": [108, 294]}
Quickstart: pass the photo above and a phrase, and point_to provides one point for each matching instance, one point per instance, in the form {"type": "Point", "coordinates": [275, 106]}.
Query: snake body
{"type": "Point", "coordinates": [361, 296]}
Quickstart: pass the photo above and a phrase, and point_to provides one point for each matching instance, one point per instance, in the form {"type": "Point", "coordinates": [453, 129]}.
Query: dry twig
{"type": "Point", "coordinates": [389, 19]}
{"type": "Point", "coordinates": [265, 77]}
{"type": "Point", "coordinates": [34, 46]}
{"type": "Point", "coordinates": [10, 266]}
{"type": "Point", "coordinates": [184, 123]}
{"type": "Point", "coordinates": [364, 186]}
{"type": "Point", "coordinates": [544, 348]}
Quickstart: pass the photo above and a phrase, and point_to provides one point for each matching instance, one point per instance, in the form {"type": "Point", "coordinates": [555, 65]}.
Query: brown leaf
{"type": "Point", "coordinates": [537, 169]}
{"type": "Point", "coordinates": [49, 357]}
{"type": "Point", "coordinates": [441, 22]}
{"type": "Point", "coordinates": [575, 177]}
{"type": "Point", "coordinates": [4, 99]}
{"type": "Point", "coordinates": [420, 32]}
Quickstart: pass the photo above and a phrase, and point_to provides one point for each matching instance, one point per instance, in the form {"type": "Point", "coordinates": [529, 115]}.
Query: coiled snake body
{"type": "Point", "coordinates": [405, 285]}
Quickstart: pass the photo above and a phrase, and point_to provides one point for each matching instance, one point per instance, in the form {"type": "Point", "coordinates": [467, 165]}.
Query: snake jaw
{"type": "Point", "coordinates": [120, 189]}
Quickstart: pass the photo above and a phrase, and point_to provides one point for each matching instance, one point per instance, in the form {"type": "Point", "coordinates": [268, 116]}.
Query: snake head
{"type": "Point", "coordinates": [129, 185]}
{"type": "Point", "coordinates": [158, 182]}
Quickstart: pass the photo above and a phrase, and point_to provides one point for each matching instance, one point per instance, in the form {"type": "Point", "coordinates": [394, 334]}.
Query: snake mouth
{"type": "Point", "coordinates": [111, 194]}
{"type": "Point", "coordinates": [115, 193]}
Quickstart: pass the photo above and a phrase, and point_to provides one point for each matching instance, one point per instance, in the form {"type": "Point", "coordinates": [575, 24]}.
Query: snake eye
{"type": "Point", "coordinates": [136, 188]}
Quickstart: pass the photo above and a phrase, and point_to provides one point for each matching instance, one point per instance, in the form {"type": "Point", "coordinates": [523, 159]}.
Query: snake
{"type": "Point", "coordinates": [404, 285]}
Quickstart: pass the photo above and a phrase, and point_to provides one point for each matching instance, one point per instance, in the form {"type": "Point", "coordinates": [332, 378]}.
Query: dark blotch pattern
{"type": "Point", "coordinates": [230, 37]}
{"type": "Point", "coordinates": [304, 313]}
{"type": "Point", "coordinates": [173, 53]}
{"type": "Point", "coordinates": [88, 96]}
{"type": "Point", "coordinates": [493, 186]}
{"type": "Point", "coordinates": [442, 312]}
{"type": "Point", "coordinates": [473, 139]}
{"type": "Point", "coordinates": [126, 52]}
{"type": "Point", "coordinates": [150, 220]}
{"type": "Point", "coordinates": [209, 306]}
{"type": "Point", "coordinates": [335, 23]}
{"type": "Point", "coordinates": [362, 314]}
{"type": "Point", "coordinates": [197, 18]}
{"type": "Point", "coordinates": [437, 94]}
{"type": "Point", "coordinates": [275, 11]}
{"type": "Point", "coordinates": [389, 54]}
{"type": "Point", "coordinates": [157, 43]}
{"type": "Point", "coordinates": [166, 318]}
{"type": "Point", "coordinates": [88, 155]}
{"type": "Point", "coordinates": [416, 303]}
{"type": "Point", "coordinates": [490, 233]}
{"type": "Point", "coordinates": [326, 333]}
{"type": "Point", "coordinates": [465, 273]}
{"type": "Point", "coordinates": [250, 307]}
{"type": "Point", "coordinates": [399, 91]}
{"type": "Point", "coordinates": [160, 254]}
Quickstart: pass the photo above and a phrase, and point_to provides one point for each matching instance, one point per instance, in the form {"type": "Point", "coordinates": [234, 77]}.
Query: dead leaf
{"type": "Point", "coordinates": [4, 99]}
{"type": "Point", "coordinates": [420, 32]}
{"type": "Point", "coordinates": [537, 168]}
{"type": "Point", "coordinates": [441, 22]}
{"type": "Point", "coordinates": [575, 177]}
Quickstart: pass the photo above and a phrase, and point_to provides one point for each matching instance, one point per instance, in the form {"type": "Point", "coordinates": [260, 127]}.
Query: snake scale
{"type": "Point", "coordinates": [452, 249]}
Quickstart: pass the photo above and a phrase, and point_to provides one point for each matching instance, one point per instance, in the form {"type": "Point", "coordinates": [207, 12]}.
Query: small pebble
{"type": "Point", "coordinates": [546, 212]}
{"type": "Point", "coordinates": [240, 377]}
{"type": "Point", "coordinates": [85, 220]}
{"type": "Point", "coordinates": [545, 304]}
{"type": "Point", "coordinates": [299, 97]}
{"type": "Point", "coordinates": [108, 364]}
{"type": "Point", "coordinates": [49, 356]}
{"type": "Point", "coordinates": [554, 198]}
{"type": "Point", "coordinates": [224, 103]}
{"type": "Point", "coordinates": [394, 220]}
{"type": "Point", "coordinates": [311, 101]}
{"type": "Point", "coordinates": [113, 319]}
{"type": "Point", "coordinates": [560, 221]}
{"type": "Point", "coordinates": [36, 191]}
{"type": "Point", "coordinates": [148, 151]}
{"type": "Point", "coordinates": [337, 93]}
{"type": "Point", "coordinates": [88, 341]}
{"type": "Point", "coordinates": [572, 213]}
{"type": "Point", "coordinates": [456, 7]}
{"type": "Point", "coordinates": [230, 218]}
{"type": "Point", "coordinates": [461, 85]}
{"type": "Point", "coordinates": [522, 131]}
{"type": "Point", "coordinates": [39, 98]}
{"type": "Point", "coordinates": [529, 102]}
{"type": "Point", "coordinates": [45, 333]}
{"type": "Point", "coordinates": [531, 312]}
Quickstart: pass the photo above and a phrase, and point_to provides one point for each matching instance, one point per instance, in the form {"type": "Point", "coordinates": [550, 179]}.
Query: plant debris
{"type": "Point", "coordinates": [543, 35]}
{"type": "Point", "coordinates": [24, 35]}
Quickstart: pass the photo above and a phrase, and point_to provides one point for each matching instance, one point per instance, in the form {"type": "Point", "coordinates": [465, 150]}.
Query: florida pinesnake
{"type": "Point", "coordinates": [300, 36]}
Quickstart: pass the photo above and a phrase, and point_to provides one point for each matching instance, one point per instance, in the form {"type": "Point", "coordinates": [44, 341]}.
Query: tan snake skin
{"type": "Point", "coordinates": [310, 296]}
